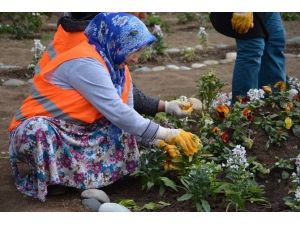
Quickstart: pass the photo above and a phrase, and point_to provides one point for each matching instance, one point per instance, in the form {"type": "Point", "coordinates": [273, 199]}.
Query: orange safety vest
{"type": "Point", "coordinates": [50, 100]}
{"type": "Point", "coordinates": [61, 42]}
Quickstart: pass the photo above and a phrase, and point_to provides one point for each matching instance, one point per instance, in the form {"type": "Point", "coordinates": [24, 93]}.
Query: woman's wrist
{"type": "Point", "coordinates": [161, 106]}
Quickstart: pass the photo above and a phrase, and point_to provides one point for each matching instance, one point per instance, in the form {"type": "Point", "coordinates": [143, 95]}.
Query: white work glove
{"type": "Point", "coordinates": [178, 108]}
{"type": "Point", "coordinates": [196, 104]}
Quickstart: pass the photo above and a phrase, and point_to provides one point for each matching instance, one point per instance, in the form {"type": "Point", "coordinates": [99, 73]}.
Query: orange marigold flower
{"type": "Point", "coordinates": [225, 137]}
{"type": "Point", "coordinates": [248, 114]}
{"type": "Point", "coordinates": [243, 99]}
{"type": "Point", "coordinates": [222, 111]}
{"type": "Point", "coordinates": [280, 85]}
{"type": "Point", "coordinates": [267, 89]}
{"type": "Point", "coordinates": [297, 97]}
{"type": "Point", "coordinates": [216, 130]}
{"type": "Point", "coordinates": [289, 107]}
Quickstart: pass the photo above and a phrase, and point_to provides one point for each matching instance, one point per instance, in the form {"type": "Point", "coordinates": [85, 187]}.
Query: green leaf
{"type": "Point", "coordinates": [150, 184]}
{"type": "Point", "coordinates": [169, 183]}
{"type": "Point", "coordinates": [296, 130]}
{"type": "Point", "coordinates": [129, 203]}
{"type": "Point", "coordinates": [164, 204]}
{"type": "Point", "coordinates": [285, 175]}
{"type": "Point", "coordinates": [184, 197]}
{"type": "Point", "coordinates": [150, 206]}
{"type": "Point", "coordinates": [205, 205]}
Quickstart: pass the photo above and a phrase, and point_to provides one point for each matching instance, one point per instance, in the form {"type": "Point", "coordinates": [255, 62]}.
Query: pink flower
{"type": "Point", "coordinates": [130, 166]}
{"type": "Point", "coordinates": [119, 155]}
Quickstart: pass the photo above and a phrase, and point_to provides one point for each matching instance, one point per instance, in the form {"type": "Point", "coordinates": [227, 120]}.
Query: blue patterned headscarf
{"type": "Point", "coordinates": [116, 35]}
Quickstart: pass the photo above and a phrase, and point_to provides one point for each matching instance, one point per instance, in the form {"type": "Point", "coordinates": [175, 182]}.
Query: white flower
{"type": "Point", "coordinates": [157, 30]}
{"type": "Point", "coordinates": [292, 93]}
{"type": "Point", "coordinates": [238, 158]}
{"type": "Point", "coordinates": [222, 99]}
{"type": "Point", "coordinates": [202, 32]}
{"type": "Point", "coordinates": [297, 194]}
{"type": "Point", "coordinates": [294, 83]}
{"type": "Point", "coordinates": [255, 94]}
{"type": "Point", "coordinates": [208, 122]}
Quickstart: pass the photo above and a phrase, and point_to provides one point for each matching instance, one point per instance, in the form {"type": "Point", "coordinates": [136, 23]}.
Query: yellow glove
{"type": "Point", "coordinates": [172, 150]}
{"type": "Point", "coordinates": [242, 22]}
{"type": "Point", "coordinates": [187, 141]}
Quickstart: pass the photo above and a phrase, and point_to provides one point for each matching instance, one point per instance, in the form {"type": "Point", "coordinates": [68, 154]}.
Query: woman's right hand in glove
{"type": "Point", "coordinates": [187, 141]}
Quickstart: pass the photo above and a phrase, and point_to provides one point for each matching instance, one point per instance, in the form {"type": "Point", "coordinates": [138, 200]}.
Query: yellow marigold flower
{"type": "Point", "coordinates": [280, 85]}
{"type": "Point", "coordinates": [288, 123]}
{"type": "Point", "coordinates": [169, 166]}
{"type": "Point", "coordinates": [187, 107]}
{"type": "Point", "coordinates": [222, 111]}
{"type": "Point", "coordinates": [267, 89]}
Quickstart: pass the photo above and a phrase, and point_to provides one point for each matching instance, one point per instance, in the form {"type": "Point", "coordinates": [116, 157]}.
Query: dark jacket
{"type": "Point", "coordinates": [221, 21]}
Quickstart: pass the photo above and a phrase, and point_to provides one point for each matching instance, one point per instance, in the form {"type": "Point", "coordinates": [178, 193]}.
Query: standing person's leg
{"type": "Point", "coordinates": [273, 60]}
{"type": "Point", "coordinates": [247, 65]}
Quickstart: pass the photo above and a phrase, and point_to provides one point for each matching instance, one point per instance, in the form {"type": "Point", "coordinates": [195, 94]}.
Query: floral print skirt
{"type": "Point", "coordinates": [58, 152]}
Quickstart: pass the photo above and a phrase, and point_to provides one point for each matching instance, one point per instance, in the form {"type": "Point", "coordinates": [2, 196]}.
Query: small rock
{"type": "Point", "coordinates": [210, 62]}
{"type": "Point", "coordinates": [30, 81]}
{"type": "Point", "coordinates": [230, 55]}
{"type": "Point", "coordinates": [299, 55]}
{"type": "Point", "coordinates": [97, 194]}
{"type": "Point", "coordinates": [295, 40]}
{"type": "Point", "coordinates": [158, 68]}
{"type": "Point", "coordinates": [91, 203]}
{"type": "Point", "coordinates": [185, 68]}
{"type": "Point", "coordinates": [221, 46]}
{"type": "Point", "coordinates": [199, 47]}
{"type": "Point", "coordinates": [198, 65]}
{"type": "Point", "coordinates": [172, 50]}
{"type": "Point", "coordinates": [112, 207]}
{"type": "Point", "coordinates": [3, 66]}
{"type": "Point", "coordinates": [172, 67]}
{"type": "Point", "coordinates": [289, 55]}
{"type": "Point", "coordinates": [144, 69]}
{"type": "Point", "coordinates": [13, 83]}
{"type": "Point", "coordinates": [3, 153]}
{"type": "Point", "coordinates": [225, 61]}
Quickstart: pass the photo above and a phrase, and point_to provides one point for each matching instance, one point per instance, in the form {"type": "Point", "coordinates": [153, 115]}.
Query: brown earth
{"type": "Point", "coordinates": [165, 84]}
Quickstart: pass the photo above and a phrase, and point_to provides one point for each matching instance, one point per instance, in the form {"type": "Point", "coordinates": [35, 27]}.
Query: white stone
{"type": "Point", "coordinates": [185, 68]}
{"type": "Point", "coordinates": [158, 68]}
{"type": "Point", "coordinates": [13, 83]}
{"type": "Point", "coordinates": [112, 207]}
{"type": "Point", "coordinates": [172, 67]}
{"type": "Point", "coordinates": [199, 47]}
{"type": "Point", "coordinates": [3, 66]}
{"type": "Point", "coordinates": [211, 62]}
{"type": "Point", "coordinates": [142, 70]}
{"type": "Point", "coordinates": [172, 50]}
{"type": "Point", "coordinates": [224, 61]}
{"type": "Point", "coordinates": [221, 46]}
{"type": "Point", "coordinates": [97, 194]}
{"type": "Point", "coordinates": [288, 55]}
{"type": "Point", "coordinates": [198, 65]}
{"type": "Point", "coordinates": [230, 55]}
{"type": "Point", "coordinates": [295, 40]}
{"type": "Point", "coordinates": [30, 81]}
{"type": "Point", "coordinates": [299, 55]}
